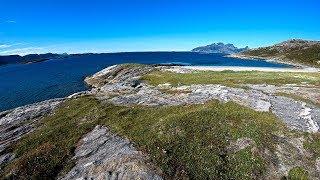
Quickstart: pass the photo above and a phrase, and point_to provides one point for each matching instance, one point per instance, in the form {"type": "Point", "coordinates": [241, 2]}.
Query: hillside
{"type": "Point", "coordinates": [155, 122]}
{"type": "Point", "coordinates": [292, 51]}
{"type": "Point", "coordinates": [219, 48]}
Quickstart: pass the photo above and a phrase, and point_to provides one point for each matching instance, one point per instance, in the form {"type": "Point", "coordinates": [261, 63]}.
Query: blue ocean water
{"type": "Point", "coordinates": [22, 84]}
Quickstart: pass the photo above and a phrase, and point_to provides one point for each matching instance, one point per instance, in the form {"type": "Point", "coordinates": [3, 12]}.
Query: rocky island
{"type": "Point", "coordinates": [219, 48]}
{"type": "Point", "coordinates": [169, 122]}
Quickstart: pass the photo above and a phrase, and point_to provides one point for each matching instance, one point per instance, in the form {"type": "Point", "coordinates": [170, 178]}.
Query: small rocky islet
{"type": "Point", "coordinates": [148, 122]}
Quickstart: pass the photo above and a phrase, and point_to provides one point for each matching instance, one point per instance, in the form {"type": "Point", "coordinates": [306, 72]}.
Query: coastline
{"type": "Point", "coordinates": [269, 59]}
{"type": "Point", "coordinates": [118, 93]}
{"type": "Point", "coordinates": [240, 68]}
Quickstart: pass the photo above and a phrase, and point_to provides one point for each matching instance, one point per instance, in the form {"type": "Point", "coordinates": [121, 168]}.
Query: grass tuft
{"type": "Point", "coordinates": [298, 173]}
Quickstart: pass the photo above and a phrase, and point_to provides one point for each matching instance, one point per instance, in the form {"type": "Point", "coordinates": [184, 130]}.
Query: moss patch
{"type": "Point", "coordinates": [298, 173]}
{"type": "Point", "coordinates": [231, 78]}
{"type": "Point", "coordinates": [193, 139]}
{"type": "Point", "coordinates": [312, 143]}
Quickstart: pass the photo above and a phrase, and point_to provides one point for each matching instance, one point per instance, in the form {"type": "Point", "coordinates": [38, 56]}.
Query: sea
{"type": "Point", "coordinates": [22, 84]}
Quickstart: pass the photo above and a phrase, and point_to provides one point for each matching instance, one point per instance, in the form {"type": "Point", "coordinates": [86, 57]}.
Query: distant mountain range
{"type": "Point", "coordinates": [219, 48]}
{"type": "Point", "coordinates": [292, 51]}
{"type": "Point", "coordinates": [30, 58]}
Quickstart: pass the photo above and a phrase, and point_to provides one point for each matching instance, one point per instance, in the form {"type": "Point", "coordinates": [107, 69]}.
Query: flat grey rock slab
{"type": "Point", "coordinates": [296, 114]}
{"type": "Point", "coordinates": [103, 155]}
{"type": "Point", "coordinates": [28, 112]}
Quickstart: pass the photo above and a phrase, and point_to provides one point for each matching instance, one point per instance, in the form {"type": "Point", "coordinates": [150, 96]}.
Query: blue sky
{"type": "Point", "coordinates": [39, 26]}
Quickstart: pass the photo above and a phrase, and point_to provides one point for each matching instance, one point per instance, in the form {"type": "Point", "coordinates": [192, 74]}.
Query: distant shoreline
{"type": "Point", "coordinates": [243, 68]}
{"type": "Point", "coordinates": [276, 60]}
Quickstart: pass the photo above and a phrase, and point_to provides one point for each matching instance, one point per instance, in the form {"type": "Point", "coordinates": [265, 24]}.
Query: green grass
{"type": "Point", "coordinates": [184, 141]}
{"type": "Point", "coordinates": [312, 143]}
{"type": "Point", "coordinates": [231, 78]}
{"type": "Point", "coordinates": [194, 138]}
{"type": "Point", "coordinates": [298, 173]}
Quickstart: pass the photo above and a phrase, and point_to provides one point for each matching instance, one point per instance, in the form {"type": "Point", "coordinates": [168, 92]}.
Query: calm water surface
{"type": "Point", "coordinates": [22, 84]}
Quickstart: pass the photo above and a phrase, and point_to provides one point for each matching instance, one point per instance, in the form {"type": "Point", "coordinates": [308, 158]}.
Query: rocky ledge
{"type": "Point", "coordinates": [122, 86]}
{"type": "Point", "coordinates": [18, 122]}
{"type": "Point", "coordinates": [101, 154]}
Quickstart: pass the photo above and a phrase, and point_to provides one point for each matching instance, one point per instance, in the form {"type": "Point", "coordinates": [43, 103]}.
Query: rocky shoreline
{"type": "Point", "coordinates": [102, 154]}
{"type": "Point", "coordinates": [298, 52]}
{"type": "Point", "coordinates": [270, 59]}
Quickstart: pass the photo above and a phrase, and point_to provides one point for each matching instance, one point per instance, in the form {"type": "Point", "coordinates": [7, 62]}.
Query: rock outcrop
{"type": "Point", "coordinates": [103, 155]}
{"type": "Point", "coordinates": [122, 86]}
{"type": "Point", "coordinates": [20, 121]}
{"type": "Point", "coordinates": [125, 88]}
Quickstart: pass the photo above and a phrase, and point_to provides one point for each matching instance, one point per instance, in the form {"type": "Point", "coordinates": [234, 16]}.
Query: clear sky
{"type": "Point", "coordinates": [38, 26]}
